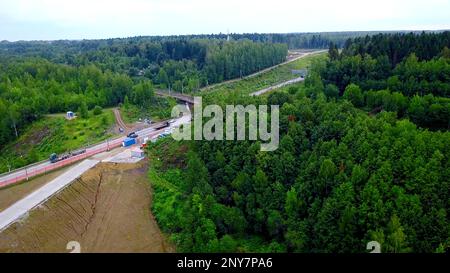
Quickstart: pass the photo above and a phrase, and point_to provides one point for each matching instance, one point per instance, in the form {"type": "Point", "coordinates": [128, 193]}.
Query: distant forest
{"type": "Point", "coordinates": [405, 73]}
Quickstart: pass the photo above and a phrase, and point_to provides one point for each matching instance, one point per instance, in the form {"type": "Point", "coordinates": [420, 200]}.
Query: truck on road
{"type": "Point", "coordinates": [56, 158]}
{"type": "Point", "coordinates": [128, 142]}
{"type": "Point", "coordinates": [162, 125]}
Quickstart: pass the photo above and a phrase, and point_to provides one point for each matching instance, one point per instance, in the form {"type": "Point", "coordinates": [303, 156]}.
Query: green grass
{"type": "Point", "coordinates": [161, 110]}
{"type": "Point", "coordinates": [264, 80]}
{"type": "Point", "coordinates": [55, 134]}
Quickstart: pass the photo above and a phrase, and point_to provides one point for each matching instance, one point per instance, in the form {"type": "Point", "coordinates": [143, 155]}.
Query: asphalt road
{"type": "Point", "coordinates": [279, 85]}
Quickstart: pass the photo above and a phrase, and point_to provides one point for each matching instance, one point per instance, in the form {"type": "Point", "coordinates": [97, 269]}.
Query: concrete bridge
{"type": "Point", "coordinates": [175, 95]}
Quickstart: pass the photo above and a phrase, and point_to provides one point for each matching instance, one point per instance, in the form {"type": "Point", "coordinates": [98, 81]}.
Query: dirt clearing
{"type": "Point", "coordinates": [105, 210]}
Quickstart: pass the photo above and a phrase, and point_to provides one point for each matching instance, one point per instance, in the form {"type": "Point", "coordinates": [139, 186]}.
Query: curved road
{"type": "Point", "coordinates": [299, 56]}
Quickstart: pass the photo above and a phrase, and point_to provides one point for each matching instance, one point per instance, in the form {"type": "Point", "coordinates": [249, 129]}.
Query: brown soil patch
{"type": "Point", "coordinates": [32, 139]}
{"type": "Point", "coordinates": [106, 210]}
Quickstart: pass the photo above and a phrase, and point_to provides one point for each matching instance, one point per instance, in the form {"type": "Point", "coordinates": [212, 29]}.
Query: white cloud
{"type": "Point", "coordinates": [32, 19]}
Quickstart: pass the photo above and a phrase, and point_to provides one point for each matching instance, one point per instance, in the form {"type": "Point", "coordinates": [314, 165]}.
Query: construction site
{"type": "Point", "coordinates": [107, 209]}
{"type": "Point", "coordinates": [100, 199]}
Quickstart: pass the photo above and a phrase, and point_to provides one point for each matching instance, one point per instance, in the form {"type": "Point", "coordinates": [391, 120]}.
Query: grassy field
{"type": "Point", "coordinates": [55, 134]}
{"type": "Point", "coordinates": [160, 111]}
{"type": "Point", "coordinates": [279, 74]}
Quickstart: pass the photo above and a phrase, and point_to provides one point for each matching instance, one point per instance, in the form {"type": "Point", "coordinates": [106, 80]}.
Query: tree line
{"type": "Point", "coordinates": [395, 78]}
{"type": "Point", "coordinates": [179, 63]}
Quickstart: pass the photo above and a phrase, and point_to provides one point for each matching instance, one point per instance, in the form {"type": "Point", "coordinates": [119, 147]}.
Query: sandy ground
{"type": "Point", "coordinates": [123, 157]}
{"type": "Point", "coordinates": [106, 210]}
{"type": "Point", "coordinates": [12, 194]}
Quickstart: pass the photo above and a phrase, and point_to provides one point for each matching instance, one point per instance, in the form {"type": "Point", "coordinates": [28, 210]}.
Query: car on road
{"type": "Point", "coordinates": [132, 135]}
{"type": "Point", "coordinates": [163, 135]}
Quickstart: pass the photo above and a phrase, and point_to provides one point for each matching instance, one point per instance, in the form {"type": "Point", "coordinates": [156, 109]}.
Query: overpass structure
{"type": "Point", "coordinates": [179, 96]}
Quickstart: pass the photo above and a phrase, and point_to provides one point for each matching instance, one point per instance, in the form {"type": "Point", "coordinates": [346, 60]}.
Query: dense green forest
{"type": "Point", "coordinates": [355, 164]}
{"type": "Point", "coordinates": [64, 50]}
{"type": "Point", "coordinates": [182, 64]}
{"type": "Point", "coordinates": [34, 83]}
{"type": "Point", "coordinates": [405, 73]}
{"type": "Point", "coordinates": [364, 141]}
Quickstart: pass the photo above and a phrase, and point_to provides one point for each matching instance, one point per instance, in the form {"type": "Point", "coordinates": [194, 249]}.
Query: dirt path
{"type": "Point", "coordinates": [119, 120]}
{"type": "Point", "coordinates": [127, 128]}
{"type": "Point", "coordinates": [106, 210]}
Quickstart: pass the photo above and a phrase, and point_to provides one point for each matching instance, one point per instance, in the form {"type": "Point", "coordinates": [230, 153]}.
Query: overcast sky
{"type": "Point", "coordinates": [89, 19]}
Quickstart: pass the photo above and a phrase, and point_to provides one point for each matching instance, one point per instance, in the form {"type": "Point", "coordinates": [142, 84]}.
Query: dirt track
{"type": "Point", "coordinates": [106, 210]}
{"type": "Point", "coordinates": [119, 120]}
